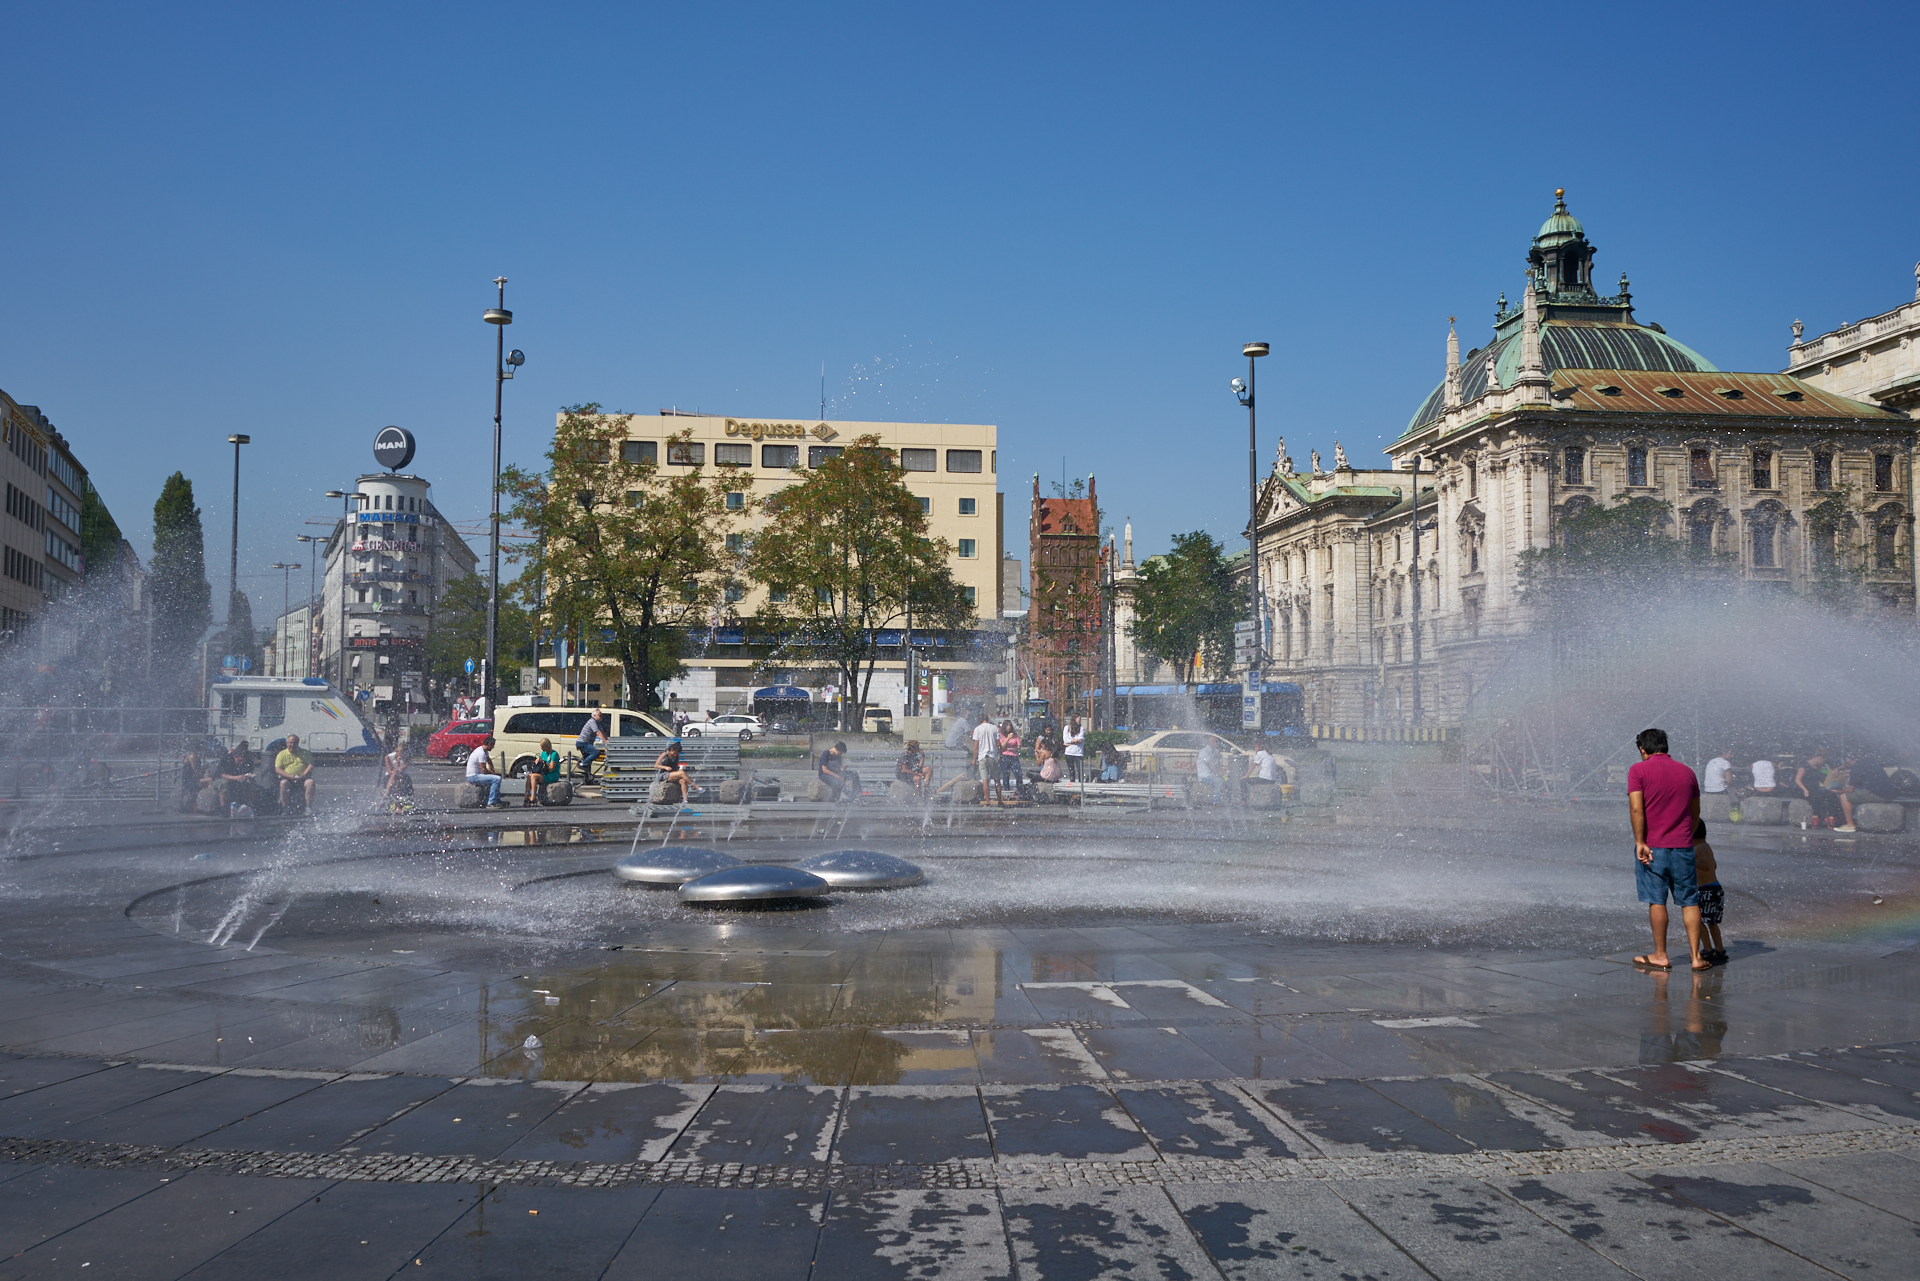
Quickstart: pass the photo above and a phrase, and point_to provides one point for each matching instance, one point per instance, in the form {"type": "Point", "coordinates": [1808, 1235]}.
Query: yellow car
{"type": "Point", "coordinates": [517, 732]}
{"type": "Point", "coordinates": [1176, 752]}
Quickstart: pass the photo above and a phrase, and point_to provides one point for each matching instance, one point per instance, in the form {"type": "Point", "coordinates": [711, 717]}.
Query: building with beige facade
{"type": "Point", "coordinates": [951, 467]}
{"type": "Point", "coordinates": [1573, 402]}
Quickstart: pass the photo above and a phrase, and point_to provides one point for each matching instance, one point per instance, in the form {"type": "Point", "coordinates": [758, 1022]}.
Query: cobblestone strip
{"type": "Point", "coordinates": [1018, 1175]}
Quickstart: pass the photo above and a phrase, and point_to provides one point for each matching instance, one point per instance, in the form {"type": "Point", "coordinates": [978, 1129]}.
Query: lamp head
{"type": "Point", "coordinates": [1239, 385]}
{"type": "Point", "coordinates": [336, 493]}
{"type": "Point", "coordinates": [1254, 349]}
{"type": "Point", "coordinates": [497, 316]}
{"type": "Point", "coordinates": [516, 358]}
{"type": "Point", "coordinates": [239, 440]}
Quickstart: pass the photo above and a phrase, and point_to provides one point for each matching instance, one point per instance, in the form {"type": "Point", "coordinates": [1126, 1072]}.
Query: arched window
{"type": "Point", "coordinates": [1700, 528]}
{"type": "Point", "coordinates": [1762, 525]}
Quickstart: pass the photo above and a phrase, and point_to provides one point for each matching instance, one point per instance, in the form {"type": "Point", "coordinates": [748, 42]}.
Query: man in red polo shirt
{"type": "Point", "coordinates": [1663, 797]}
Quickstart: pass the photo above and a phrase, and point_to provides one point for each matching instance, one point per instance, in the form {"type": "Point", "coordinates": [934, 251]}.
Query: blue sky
{"type": "Point", "coordinates": [1065, 220]}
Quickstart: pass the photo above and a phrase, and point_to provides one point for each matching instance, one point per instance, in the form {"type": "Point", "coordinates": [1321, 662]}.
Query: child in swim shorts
{"type": "Point", "coordinates": [1713, 899]}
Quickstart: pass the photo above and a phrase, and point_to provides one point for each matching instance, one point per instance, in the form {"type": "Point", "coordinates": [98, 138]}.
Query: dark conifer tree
{"type": "Point", "coordinates": [182, 597]}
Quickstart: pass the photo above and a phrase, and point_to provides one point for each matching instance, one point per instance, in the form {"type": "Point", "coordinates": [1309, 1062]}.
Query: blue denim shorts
{"type": "Point", "coordinates": [1670, 873]}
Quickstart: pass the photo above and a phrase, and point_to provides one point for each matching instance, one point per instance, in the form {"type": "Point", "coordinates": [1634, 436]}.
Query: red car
{"type": "Point", "coordinates": [457, 736]}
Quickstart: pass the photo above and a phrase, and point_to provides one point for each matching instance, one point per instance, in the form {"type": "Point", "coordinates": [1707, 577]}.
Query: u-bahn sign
{"type": "Point", "coordinates": [393, 448]}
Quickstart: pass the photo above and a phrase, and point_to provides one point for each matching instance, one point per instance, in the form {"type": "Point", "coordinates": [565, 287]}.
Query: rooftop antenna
{"type": "Point", "coordinates": [823, 390]}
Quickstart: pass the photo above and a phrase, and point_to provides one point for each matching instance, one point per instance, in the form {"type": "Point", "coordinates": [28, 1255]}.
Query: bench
{"type": "Point", "coordinates": [1149, 794]}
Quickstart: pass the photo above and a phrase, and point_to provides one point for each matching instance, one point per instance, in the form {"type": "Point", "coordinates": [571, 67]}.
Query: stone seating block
{"type": "Point", "coordinates": [560, 793]}
{"type": "Point", "coordinates": [818, 791]}
{"type": "Point", "coordinates": [1879, 816]}
{"type": "Point", "coordinates": [1268, 797]}
{"type": "Point", "coordinates": [470, 797]}
{"type": "Point", "coordinates": [1799, 812]}
{"type": "Point", "coordinates": [732, 791]}
{"type": "Point", "coordinates": [1762, 811]}
{"type": "Point", "coordinates": [1714, 806]}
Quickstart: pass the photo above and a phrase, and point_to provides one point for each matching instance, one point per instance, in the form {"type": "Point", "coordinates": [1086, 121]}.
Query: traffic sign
{"type": "Point", "coordinates": [469, 667]}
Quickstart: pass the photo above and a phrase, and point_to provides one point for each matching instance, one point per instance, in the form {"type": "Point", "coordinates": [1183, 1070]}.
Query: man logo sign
{"type": "Point", "coordinates": [393, 448]}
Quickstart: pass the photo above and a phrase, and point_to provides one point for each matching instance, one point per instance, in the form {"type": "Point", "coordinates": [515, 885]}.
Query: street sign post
{"type": "Point", "coordinates": [1250, 700]}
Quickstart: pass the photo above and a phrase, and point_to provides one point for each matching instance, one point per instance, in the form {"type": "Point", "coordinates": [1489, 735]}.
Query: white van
{"type": "Point", "coordinates": [517, 732]}
{"type": "Point", "coordinates": [261, 709]}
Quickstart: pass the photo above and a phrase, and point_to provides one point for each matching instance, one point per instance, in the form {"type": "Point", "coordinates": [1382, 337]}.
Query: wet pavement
{"type": "Point", "coordinates": [331, 1056]}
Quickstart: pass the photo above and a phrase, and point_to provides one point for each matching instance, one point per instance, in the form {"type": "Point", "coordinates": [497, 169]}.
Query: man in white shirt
{"type": "Point", "coordinates": [1763, 777]}
{"type": "Point", "coordinates": [1717, 770]}
{"type": "Point", "coordinates": [480, 774]}
{"type": "Point", "coordinates": [986, 753]}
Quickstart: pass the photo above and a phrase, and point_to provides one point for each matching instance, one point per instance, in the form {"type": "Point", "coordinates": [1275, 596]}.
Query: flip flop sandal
{"type": "Point", "coordinates": [1646, 964]}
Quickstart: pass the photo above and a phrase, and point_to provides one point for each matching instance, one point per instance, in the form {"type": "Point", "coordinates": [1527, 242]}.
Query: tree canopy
{"type": "Point", "coordinates": [845, 553]}
{"type": "Point", "coordinates": [460, 628]}
{"type": "Point", "coordinates": [182, 597]}
{"type": "Point", "coordinates": [618, 544]}
{"type": "Point", "coordinates": [1186, 605]}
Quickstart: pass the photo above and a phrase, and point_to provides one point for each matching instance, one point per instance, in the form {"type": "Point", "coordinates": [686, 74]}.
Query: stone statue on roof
{"type": "Point", "coordinates": [1799, 328]}
{"type": "Point", "coordinates": [1493, 371]}
{"type": "Point", "coordinates": [1280, 455]}
{"type": "Point", "coordinates": [1340, 462]}
{"type": "Point", "coordinates": [1286, 465]}
{"type": "Point", "coordinates": [1316, 463]}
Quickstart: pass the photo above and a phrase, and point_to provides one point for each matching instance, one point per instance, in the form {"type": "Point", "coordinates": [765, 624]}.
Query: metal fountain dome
{"type": "Point", "coordinates": [1579, 329]}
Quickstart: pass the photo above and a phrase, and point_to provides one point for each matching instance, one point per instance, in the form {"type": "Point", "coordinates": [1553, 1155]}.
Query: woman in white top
{"type": "Point", "coordinates": [1763, 777]}
{"type": "Point", "coordinates": [1074, 741]}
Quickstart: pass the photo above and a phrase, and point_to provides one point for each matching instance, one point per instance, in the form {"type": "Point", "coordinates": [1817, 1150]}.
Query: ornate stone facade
{"type": "Point", "coordinates": [1572, 403]}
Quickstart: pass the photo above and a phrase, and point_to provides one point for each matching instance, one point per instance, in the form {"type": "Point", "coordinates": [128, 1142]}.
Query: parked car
{"type": "Point", "coordinates": [455, 739]}
{"type": "Point", "coordinates": [1177, 751]}
{"type": "Point", "coordinates": [733, 724]}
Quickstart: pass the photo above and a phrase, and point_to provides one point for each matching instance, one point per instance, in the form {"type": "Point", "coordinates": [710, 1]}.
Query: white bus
{"type": "Point", "coordinates": [261, 709]}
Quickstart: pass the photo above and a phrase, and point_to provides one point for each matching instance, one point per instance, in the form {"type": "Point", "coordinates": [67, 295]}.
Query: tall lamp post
{"type": "Point", "coordinates": [312, 560]}
{"type": "Point", "coordinates": [1252, 351]}
{"type": "Point", "coordinates": [233, 556]}
{"type": "Point", "coordinates": [503, 365]}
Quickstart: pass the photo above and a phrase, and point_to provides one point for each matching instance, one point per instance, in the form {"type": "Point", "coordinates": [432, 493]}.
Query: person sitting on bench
{"type": "Point", "coordinates": [834, 773]}
{"type": "Point", "coordinates": [912, 768]}
{"type": "Point", "coordinates": [674, 773]}
{"type": "Point", "coordinates": [295, 768]}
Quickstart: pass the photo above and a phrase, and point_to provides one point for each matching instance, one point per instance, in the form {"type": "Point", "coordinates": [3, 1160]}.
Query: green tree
{"type": "Point", "coordinates": [241, 638]}
{"type": "Point", "coordinates": [844, 554]}
{"type": "Point", "coordinates": [460, 628]}
{"type": "Point", "coordinates": [182, 598]}
{"type": "Point", "coordinates": [1186, 605]}
{"type": "Point", "coordinates": [99, 534]}
{"type": "Point", "coordinates": [618, 544]}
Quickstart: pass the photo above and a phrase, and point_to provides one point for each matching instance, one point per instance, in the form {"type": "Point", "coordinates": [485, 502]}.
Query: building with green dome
{"type": "Point", "coordinates": [1571, 402]}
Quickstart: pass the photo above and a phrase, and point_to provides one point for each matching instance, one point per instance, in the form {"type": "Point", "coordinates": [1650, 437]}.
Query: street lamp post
{"type": "Point", "coordinates": [1252, 351]}
{"type": "Point", "coordinates": [233, 556]}
{"type": "Point", "coordinates": [499, 317]}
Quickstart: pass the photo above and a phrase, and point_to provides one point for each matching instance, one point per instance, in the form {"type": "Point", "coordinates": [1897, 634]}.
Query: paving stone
{"type": "Point", "coordinates": [22, 1073]}
{"type": "Point", "coordinates": [1482, 1115]}
{"type": "Point", "coordinates": [759, 1124]}
{"type": "Point", "coordinates": [1062, 1122]}
{"type": "Point", "coordinates": [1151, 1054]}
{"type": "Point", "coordinates": [734, 1235]}
{"type": "Point", "coordinates": [950, 1234]}
{"type": "Point", "coordinates": [1258, 1232]}
{"type": "Point", "coordinates": [475, 1118]}
{"type": "Point", "coordinates": [530, 1232]}
{"type": "Point", "coordinates": [1036, 1056]}
{"type": "Point", "coordinates": [168, 1232]}
{"type": "Point", "coordinates": [944, 1057]}
{"type": "Point", "coordinates": [1835, 1231]}
{"type": "Point", "coordinates": [1207, 1119]}
{"type": "Point", "coordinates": [1347, 1117]}
{"type": "Point", "coordinates": [1731, 1101]}
{"type": "Point", "coordinates": [1887, 1181]}
{"type": "Point", "coordinates": [1082, 1233]}
{"type": "Point", "coordinates": [180, 1116]}
{"type": "Point", "coordinates": [345, 1232]}
{"type": "Point", "coordinates": [886, 1125]}
{"type": "Point", "coordinates": [1650, 1232]}
{"type": "Point", "coordinates": [50, 1200]}
{"type": "Point", "coordinates": [1464, 1230]}
{"type": "Point", "coordinates": [1264, 1051]}
{"type": "Point", "coordinates": [613, 1121]}
{"type": "Point", "coordinates": [326, 1118]}
{"type": "Point", "coordinates": [1603, 1106]}
{"type": "Point", "coordinates": [1822, 1084]}
{"type": "Point", "coordinates": [53, 1109]}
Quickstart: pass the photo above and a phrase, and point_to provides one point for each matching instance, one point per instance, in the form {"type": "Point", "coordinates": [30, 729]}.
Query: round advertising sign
{"type": "Point", "coordinates": [393, 448]}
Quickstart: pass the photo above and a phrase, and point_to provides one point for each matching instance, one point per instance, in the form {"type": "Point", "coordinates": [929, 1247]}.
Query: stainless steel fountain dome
{"type": "Point", "coordinates": [672, 865]}
{"type": "Point", "coordinates": [752, 883]}
{"type": "Point", "coordinates": [862, 870]}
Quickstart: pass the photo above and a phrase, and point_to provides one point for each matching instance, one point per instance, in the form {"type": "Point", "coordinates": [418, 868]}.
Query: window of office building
{"type": "Point", "coordinates": [818, 454]}
{"type": "Point", "coordinates": [736, 543]}
{"type": "Point", "coordinates": [965, 460]}
{"type": "Point", "coordinates": [972, 595]}
{"type": "Point", "coordinates": [969, 506]}
{"type": "Point", "coordinates": [926, 504]}
{"type": "Point", "coordinates": [686, 453]}
{"type": "Point", "coordinates": [1636, 465]}
{"type": "Point", "coordinates": [1576, 471]}
{"type": "Point", "coordinates": [734, 592]}
{"type": "Point", "coordinates": [781, 456]}
{"type": "Point", "coordinates": [639, 451]}
{"type": "Point", "coordinates": [736, 501]}
{"type": "Point", "coordinates": [1883, 472]}
{"type": "Point", "coordinates": [1762, 469]}
{"type": "Point", "coordinates": [636, 499]}
{"type": "Point", "coordinates": [1823, 471]}
{"type": "Point", "coordinates": [968, 549]}
{"type": "Point", "coordinates": [733, 455]}
{"type": "Point", "coordinates": [919, 460]}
